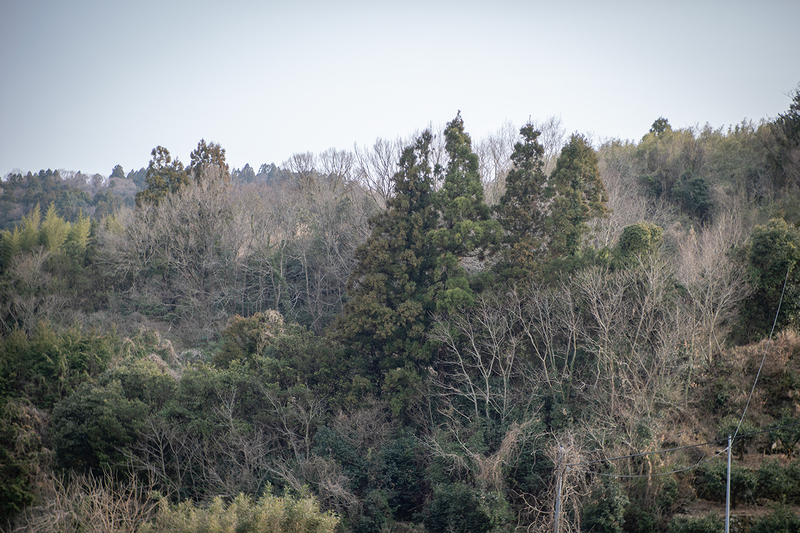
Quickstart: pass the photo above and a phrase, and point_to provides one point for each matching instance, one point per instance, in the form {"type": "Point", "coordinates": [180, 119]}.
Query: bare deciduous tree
{"type": "Point", "coordinates": [715, 282]}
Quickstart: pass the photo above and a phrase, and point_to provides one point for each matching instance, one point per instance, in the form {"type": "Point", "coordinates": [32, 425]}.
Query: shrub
{"type": "Point", "coordinates": [711, 480]}
{"type": "Point", "coordinates": [777, 483]}
{"type": "Point", "coordinates": [709, 524]}
{"type": "Point", "coordinates": [606, 510]}
{"type": "Point", "coordinates": [782, 520]}
{"type": "Point", "coordinates": [455, 508]}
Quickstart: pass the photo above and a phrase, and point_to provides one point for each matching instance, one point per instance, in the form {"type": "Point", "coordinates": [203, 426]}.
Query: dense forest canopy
{"type": "Point", "coordinates": [425, 334]}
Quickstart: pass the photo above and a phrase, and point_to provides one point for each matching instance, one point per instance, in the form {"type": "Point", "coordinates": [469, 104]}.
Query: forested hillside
{"type": "Point", "coordinates": [433, 334]}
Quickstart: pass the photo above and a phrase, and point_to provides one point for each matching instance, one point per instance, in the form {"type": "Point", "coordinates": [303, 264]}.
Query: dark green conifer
{"type": "Point", "coordinates": [389, 311]}
{"type": "Point", "coordinates": [466, 229]}
{"type": "Point", "coordinates": [164, 176]}
{"type": "Point", "coordinates": [521, 209]}
{"type": "Point", "coordinates": [579, 195]}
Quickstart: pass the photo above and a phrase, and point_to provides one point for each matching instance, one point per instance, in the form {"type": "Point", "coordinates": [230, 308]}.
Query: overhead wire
{"type": "Point", "coordinates": [666, 450]}
{"type": "Point", "coordinates": [738, 426]}
{"type": "Point", "coordinates": [766, 348]}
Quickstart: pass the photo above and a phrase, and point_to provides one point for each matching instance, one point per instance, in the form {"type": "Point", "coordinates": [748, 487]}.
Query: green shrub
{"type": "Point", "coordinates": [605, 512]}
{"type": "Point", "coordinates": [92, 427]}
{"type": "Point", "coordinates": [639, 521]}
{"type": "Point", "coordinates": [709, 524]}
{"type": "Point", "coordinates": [711, 479]}
{"type": "Point", "coordinates": [782, 520]}
{"type": "Point", "coordinates": [47, 366]}
{"type": "Point", "coordinates": [455, 509]}
{"type": "Point", "coordinates": [778, 483]}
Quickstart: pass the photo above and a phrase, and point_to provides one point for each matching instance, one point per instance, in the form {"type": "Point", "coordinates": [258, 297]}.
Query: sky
{"type": "Point", "coordinates": [89, 84]}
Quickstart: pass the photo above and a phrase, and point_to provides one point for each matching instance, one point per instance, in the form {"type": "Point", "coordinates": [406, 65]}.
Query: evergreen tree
{"type": "Point", "coordinates": [207, 162]}
{"type": "Point", "coordinates": [579, 195]}
{"type": "Point", "coordinates": [521, 209]}
{"type": "Point", "coordinates": [117, 172]}
{"type": "Point", "coordinates": [466, 229]}
{"type": "Point", "coordinates": [164, 176]}
{"type": "Point", "coordinates": [388, 314]}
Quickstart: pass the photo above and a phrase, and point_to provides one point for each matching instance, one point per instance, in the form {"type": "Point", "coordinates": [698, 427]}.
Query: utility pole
{"type": "Point", "coordinates": [557, 507]}
{"type": "Point", "coordinates": [728, 492]}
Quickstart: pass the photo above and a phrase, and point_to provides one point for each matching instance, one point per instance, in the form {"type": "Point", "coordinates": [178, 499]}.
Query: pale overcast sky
{"type": "Point", "coordinates": [88, 84]}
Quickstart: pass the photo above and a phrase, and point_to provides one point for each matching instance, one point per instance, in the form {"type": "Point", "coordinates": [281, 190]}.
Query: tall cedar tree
{"type": "Point", "coordinates": [579, 195]}
{"type": "Point", "coordinates": [521, 209]}
{"type": "Point", "coordinates": [164, 176]}
{"type": "Point", "coordinates": [466, 229]}
{"type": "Point", "coordinates": [389, 311]}
{"type": "Point", "coordinates": [207, 161]}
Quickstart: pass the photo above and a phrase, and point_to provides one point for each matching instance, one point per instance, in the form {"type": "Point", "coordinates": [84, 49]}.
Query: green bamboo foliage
{"type": "Point", "coordinates": [30, 229]}
{"type": "Point", "coordinates": [79, 232]}
{"type": "Point", "coordinates": [10, 246]}
{"type": "Point", "coordinates": [54, 230]}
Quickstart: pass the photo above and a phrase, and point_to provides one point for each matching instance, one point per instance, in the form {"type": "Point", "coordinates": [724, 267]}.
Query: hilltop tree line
{"type": "Point", "coordinates": [416, 335]}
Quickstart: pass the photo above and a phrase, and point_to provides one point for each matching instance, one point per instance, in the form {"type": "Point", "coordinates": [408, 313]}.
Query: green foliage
{"type": "Point", "coordinates": [279, 514]}
{"type": "Point", "coordinates": [20, 194]}
{"type": "Point", "coordinates": [20, 452]}
{"type": "Point", "coordinates": [782, 520]}
{"type": "Point", "coordinates": [638, 520]}
{"type": "Point", "coordinates": [521, 209]}
{"type": "Point", "coordinates": [666, 154]}
{"type": "Point", "coordinates": [692, 194]}
{"type": "Point", "coordinates": [297, 356]}
{"type": "Point", "coordinates": [579, 195]}
{"type": "Point", "coordinates": [785, 155]}
{"type": "Point", "coordinates": [605, 512]}
{"type": "Point", "coordinates": [402, 386]}
{"type": "Point", "coordinates": [91, 428]}
{"type": "Point", "coordinates": [729, 426]}
{"type": "Point", "coordinates": [403, 474]}
{"type": "Point", "coordinates": [54, 230]}
{"type": "Point", "coordinates": [117, 172]}
{"type": "Point", "coordinates": [636, 240]}
{"type": "Point", "coordinates": [456, 508]}
{"type": "Point", "coordinates": [787, 436]}
{"type": "Point", "coordinates": [164, 176]}
{"type": "Point", "coordinates": [207, 162]}
{"type": "Point", "coordinates": [465, 228]}
{"type": "Point", "coordinates": [46, 366]}
{"type": "Point", "coordinates": [387, 318]}
{"type": "Point", "coordinates": [709, 524]}
{"type": "Point", "coordinates": [773, 257]}
{"type": "Point", "coordinates": [777, 482]}
{"type": "Point", "coordinates": [246, 338]}
{"type": "Point", "coordinates": [711, 480]}
{"type": "Point", "coordinates": [660, 126]}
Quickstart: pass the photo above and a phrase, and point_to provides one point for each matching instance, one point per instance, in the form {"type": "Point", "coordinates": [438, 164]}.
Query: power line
{"type": "Point", "coordinates": [738, 426]}
{"type": "Point", "coordinates": [766, 347]}
{"type": "Point", "coordinates": [676, 448]}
